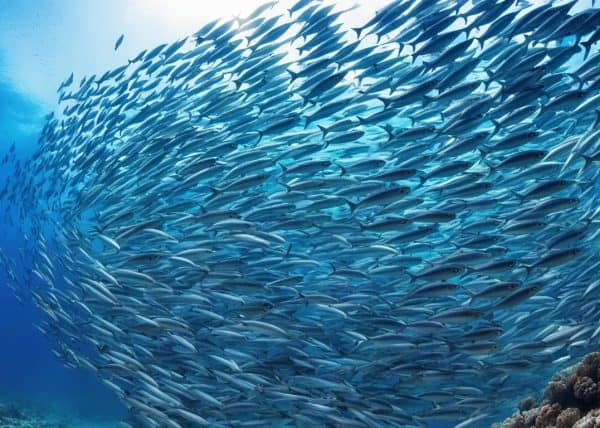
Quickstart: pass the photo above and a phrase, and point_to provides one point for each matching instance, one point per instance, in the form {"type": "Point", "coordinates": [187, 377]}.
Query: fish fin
{"type": "Point", "coordinates": [323, 130]}
{"type": "Point", "coordinates": [587, 46]}
{"type": "Point", "coordinates": [576, 78]}
{"type": "Point", "coordinates": [587, 162]}
{"type": "Point", "coordinates": [517, 194]}
{"type": "Point", "coordinates": [358, 30]}
{"type": "Point", "coordinates": [293, 75]}
{"type": "Point", "coordinates": [386, 101]}
{"type": "Point", "coordinates": [352, 205]}
{"type": "Point", "coordinates": [288, 188]}
{"type": "Point", "coordinates": [389, 130]}
{"type": "Point", "coordinates": [597, 119]}
{"type": "Point", "coordinates": [304, 99]}
{"type": "Point", "coordinates": [333, 269]}
{"type": "Point", "coordinates": [283, 167]}
{"type": "Point", "coordinates": [493, 169]}
{"type": "Point", "coordinates": [426, 100]}
{"type": "Point", "coordinates": [480, 41]}
{"type": "Point", "coordinates": [497, 126]}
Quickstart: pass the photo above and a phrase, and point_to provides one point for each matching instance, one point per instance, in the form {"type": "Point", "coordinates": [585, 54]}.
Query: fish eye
{"type": "Point", "coordinates": [455, 270]}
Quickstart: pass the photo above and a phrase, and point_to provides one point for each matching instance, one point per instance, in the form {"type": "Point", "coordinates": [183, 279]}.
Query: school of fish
{"type": "Point", "coordinates": [284, 221]}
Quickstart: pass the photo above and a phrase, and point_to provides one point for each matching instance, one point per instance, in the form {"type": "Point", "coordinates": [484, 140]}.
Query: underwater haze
{"type": "Point", "coordinates": [295, 213]}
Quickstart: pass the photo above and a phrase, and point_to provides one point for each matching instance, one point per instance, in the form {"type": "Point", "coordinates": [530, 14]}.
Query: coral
{"type": "Point", "coordinates": [590, 367]}
{"type": "Point", "coordinates": [591, 420]}
{"type": "Point", "coordinates": [530, 416]}
{"type": "Point", "coordinates": [558, 391]}
{"type": "Point", "coordinates": [527, 403]}
{"type": "Point", "coordinates": [572, 400]}
{"type": "Point", "coordinates": [515, 421]}
{"type": "Point", "coordinates": [586, 390]}
{"type": "Point", "coordinates": [568, 417]}
{"type": "Point", "coordinates": [548, 415]}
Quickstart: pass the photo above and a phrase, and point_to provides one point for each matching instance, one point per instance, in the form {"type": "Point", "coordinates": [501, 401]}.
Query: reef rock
{"type": "Point", "coordinates": [572, 400]}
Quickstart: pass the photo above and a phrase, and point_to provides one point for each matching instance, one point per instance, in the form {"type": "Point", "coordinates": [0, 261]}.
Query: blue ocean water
{"type": "Point", "coordinates": [339, 308]}
{"type": "Point", "coordinates": [31, 376]}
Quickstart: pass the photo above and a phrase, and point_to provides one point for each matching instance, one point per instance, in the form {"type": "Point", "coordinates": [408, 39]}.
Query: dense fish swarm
{"type": "Point", "coordinates": [284, 221]}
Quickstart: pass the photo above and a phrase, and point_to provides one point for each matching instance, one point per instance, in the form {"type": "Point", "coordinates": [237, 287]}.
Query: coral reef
{"type": "Point", "coordinates": [572, 400]}
{"type": "Point", "coordinates": [14, 416]}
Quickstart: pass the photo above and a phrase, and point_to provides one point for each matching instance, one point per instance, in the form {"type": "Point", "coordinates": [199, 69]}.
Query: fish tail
{"type": "Point", "coordinates": [482, 151]}
{"type": "Point", "coordinates": [386, 101]}
{"type": "Point", "coordinates": [287, 186]}
{"type": "Point", "coordinates": [587, 162]}
{"type": "Point", "coordinates": [497, 126]}
{"type": "Point", "coordinates": [480, 41]}
{"type": "Point", "coordinates": [597, 119]}
{"type": "Point", "coordinates": [493, 169]}
{"type": "Point", "coordinates": [342, 169]}
{"type": "Point", "coordinates": [293, 75]}
{"type": "Point", "coordinates": [260, 135]}
{"type": "Point", "coordinates": [323, 130]}
{"type": "Point", "coordinates": [358, 31]}
{"type": "Point", "coordinates": [587, 46]}
{"type": "Point", "coordinates": [388, 130]}
{"type": "Point", "coordinates": [304, 100]}
{"type": "Point", "coordinates": [426, 100]}
{"type": "Point", "coordinates": [353, 206]}
{"type": "Point", "coordinates": [214, 192]}
{"type": "Point", "coordinates": [518, 195]}
{"type": "Point", "coordinates": [333, 269]}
